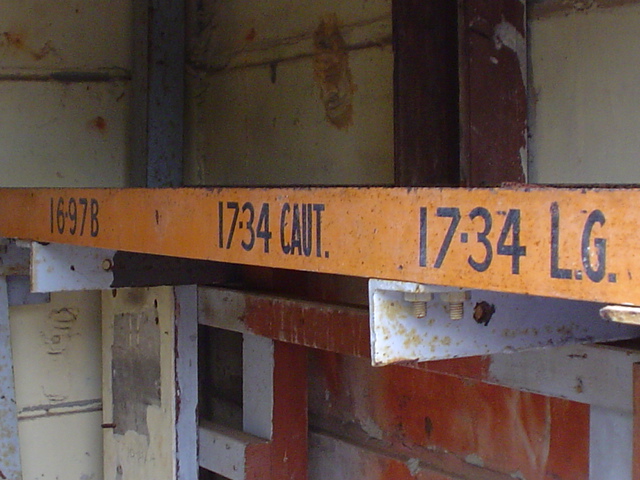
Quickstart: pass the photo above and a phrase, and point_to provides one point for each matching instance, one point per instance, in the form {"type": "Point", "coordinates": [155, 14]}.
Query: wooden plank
{"type": "Point", "coordinates": [328, 327]}
{"type": "Point", "coordinates": [232, 453]}
{"type": "Point", "coordinates": [567, 243]}
{"type": "Point", "coordinates": [141, 397]}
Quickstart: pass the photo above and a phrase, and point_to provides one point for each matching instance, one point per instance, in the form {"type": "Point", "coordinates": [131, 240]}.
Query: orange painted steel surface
{"type": "Point", "coordinates": [558, 242]}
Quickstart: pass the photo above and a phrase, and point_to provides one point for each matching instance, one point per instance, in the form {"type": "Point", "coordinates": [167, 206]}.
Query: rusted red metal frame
{"type": "Point", "coordinates": [332, 328]}
{"type": "Point", "coordinates": [284, 455]}
{"type": "Point", "coordinates": [289, 445]}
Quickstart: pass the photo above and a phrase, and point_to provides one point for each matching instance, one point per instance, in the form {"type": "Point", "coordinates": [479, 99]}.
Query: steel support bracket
{"type": "Point", "coordinates": [57, 267]}
{"type": "Point", "coordinates": [490, 322]}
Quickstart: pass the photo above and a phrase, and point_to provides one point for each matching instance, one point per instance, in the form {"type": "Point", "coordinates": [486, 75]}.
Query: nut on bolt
{"type": "Point", "coordinates": [418, 303]}
{"type": "Point", "coordinates": [455, 302]}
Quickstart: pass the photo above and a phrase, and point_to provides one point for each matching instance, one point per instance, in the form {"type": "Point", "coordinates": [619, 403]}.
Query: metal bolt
{"type": "Point", "coordinates": [418, 303]}
{"type": "Point", "coordinates": [456, 310]}
{"type": "Point", "coordinates": [107, 264]}
{"type": "Point", "coordinates": [455, 302]}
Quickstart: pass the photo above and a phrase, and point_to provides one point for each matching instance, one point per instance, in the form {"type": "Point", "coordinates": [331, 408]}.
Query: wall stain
{"type": "Point", "coordinates": [251, 35]}
{"type": "Point", "coordinates": [98, 124]}
{"type": "Point", "coordinates": [58, 330]}
{"type": "Point", "coordinates": [17, 41]}
{"type": "Point", "coordinates": [332, 73]}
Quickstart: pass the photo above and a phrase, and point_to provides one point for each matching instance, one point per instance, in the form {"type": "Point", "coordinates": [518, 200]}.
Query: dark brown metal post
{"type": "Point", "coordinates": [425, 42]}
{"type": "Point", "coordinates": [493, 94]}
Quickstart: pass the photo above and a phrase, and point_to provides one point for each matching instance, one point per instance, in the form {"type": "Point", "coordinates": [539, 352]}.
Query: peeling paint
{"type": "Point", "coordinates": [372, 429]}
{"type": "Point", "coordinates": [507, 35]}
{"type": "Point", "coordinates": [474, 459]}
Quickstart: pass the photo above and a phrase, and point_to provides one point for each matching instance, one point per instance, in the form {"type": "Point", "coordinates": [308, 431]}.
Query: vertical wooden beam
{"type": "Point", "coordinates": [426, 136]}
{"type": "Point", "coordinates": [493, 93]}
{"type": "Point", "coordinates": [10, 466]}
{"type": "Point", "coordinates": [636, 422]}
{"type": "Point", "coordinates": [290, 413]}
{"type": "Point", "coordinates": [186, 375]}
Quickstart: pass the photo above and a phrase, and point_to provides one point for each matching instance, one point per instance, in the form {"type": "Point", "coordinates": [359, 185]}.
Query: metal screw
{"type": "Point", "coordinates": [455, 302]}
{"type": "Point", "coordinates": [418, 303]}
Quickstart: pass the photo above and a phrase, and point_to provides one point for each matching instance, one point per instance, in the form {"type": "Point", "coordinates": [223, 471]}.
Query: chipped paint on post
{"type": "Point", "coordinates": [493, 65]}
{"type": "Point", "coordinates": [139, 384]}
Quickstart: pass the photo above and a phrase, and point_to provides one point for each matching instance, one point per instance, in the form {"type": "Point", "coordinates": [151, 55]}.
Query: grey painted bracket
{"type": "Point", "coordinates": [56, 268]}
{"type": "Point", "coordinates": [15, 266]}
{"type": "Point", "coordinates": [14, 257]}
{"type": "Point", "coordinates": [19, 291]}
{"type": "Point", "coordinates": [520, 322]}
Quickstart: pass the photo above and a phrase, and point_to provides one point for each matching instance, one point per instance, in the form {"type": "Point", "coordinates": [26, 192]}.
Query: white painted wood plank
{"type": "Point", "coordinates": [224, 450]}
{"type": "Point", "coordinates": [257, 385]}
{"type": "Point", "coordinates": [139, 384]}
{"type": "Point", "coordinates": [593, 374]}
{"type": "Point", "coordinates": [610, 444]}
{"type": "Point", "coordinates": [186, 332]}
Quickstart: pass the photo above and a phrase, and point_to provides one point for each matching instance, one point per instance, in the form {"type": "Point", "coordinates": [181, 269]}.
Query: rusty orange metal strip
{"type": "Point", "coordinates": [570, 243]}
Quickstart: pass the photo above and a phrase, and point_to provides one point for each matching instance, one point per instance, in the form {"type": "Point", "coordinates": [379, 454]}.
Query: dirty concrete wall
{"type": "Point", "coordinates": [584, 91]}
{"type": "Point", "coordinates": [289, 93]}
{"type": "Point", "coordinates": [64, 96]}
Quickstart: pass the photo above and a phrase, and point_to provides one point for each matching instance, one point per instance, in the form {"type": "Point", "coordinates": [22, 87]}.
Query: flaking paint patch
{"type": "Point", "coordinates": [507, 35]}
{"type": "Point", "coordinates": [332, 73]}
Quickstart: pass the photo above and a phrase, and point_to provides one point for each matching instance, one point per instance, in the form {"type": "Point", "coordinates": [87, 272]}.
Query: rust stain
{"type": "Point", "coordinates": [99, 124]}
{"type": "Point", "coordinates": [14, 40]}
{"type": "Point", "coordinates": [332, 73]}
{"type": "Point", "coordinates": [17, 41]}
{"type": "Point", "coordinates": [483, 312]}
{"type": "Point", "coordinates": [251, 35]}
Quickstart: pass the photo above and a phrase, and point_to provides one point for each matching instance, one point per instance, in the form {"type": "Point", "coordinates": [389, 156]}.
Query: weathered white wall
{"type": "Point", "coordinates": [585, 120]}
{"type": "Point", "coordinates": [64, 96]}
{"type": "Point", "coordinates": [290, 93]}
{"type": "Point", "coordinates": [56, 350]}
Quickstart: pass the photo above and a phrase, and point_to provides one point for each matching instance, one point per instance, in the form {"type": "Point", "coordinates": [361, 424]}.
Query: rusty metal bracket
{"type": "Point", "coordinates": [491, 322]}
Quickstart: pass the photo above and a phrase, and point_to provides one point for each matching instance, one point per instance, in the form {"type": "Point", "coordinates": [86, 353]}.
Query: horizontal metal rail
{"type": "Point", "coordinates": [573, 243]}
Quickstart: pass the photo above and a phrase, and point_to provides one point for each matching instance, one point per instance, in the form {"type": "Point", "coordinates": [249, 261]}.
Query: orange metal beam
{"type": "Point", "coordinates": [568, 243]}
